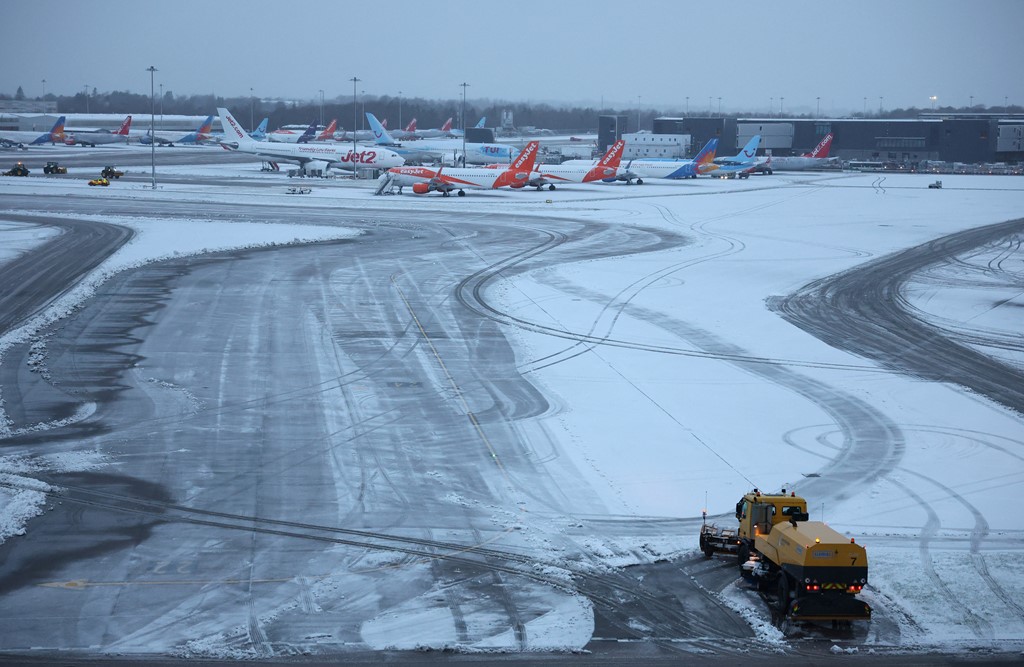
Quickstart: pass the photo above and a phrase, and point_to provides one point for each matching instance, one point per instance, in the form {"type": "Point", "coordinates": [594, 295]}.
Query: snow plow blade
{"type": "Point", "coordinates": [829, 608]}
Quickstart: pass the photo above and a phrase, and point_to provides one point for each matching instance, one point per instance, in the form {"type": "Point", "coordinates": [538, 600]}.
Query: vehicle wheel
{"type": "Point", "coordinates": [445, 193]}
{"type": "Point", "coordinates": [462, 193]}
{"type": "Point", "coordinates": [784, 593]}
{"type": "Point", "coordinates": [639, 181]}
{"type": "Point", "coordinates": [743, 555]}
{"type": "Point", "coordinates": [708, 550]}
{"type": "Point", "coordinates": [551, 187]}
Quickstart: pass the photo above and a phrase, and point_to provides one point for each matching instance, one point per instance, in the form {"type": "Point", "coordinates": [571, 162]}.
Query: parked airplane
{"type": "Point", "coordinates": [202, 134]}
{"type": "Point", "coordinates": [443, 131]}
{"type": "Point", "coordinates": [260, 133]}
{"type": "Point", "coordinates": [607, 169]}
{"type": "Point", "coordinates": [93, 137]}
{"type": "Point", "coordinates": [23, 138]}
{"type": "Point", "coordinates": [399, 134]}
{"type": "Point", "coordinates": [286, 136]}
{"type": "Point", "coordinates": [743, 163]}
{"type": "Point", "coordinates": [816, 158]}
{"type": "Point", "coordinates": [445, 180]}
{"type": "Point", "coordinates": [638, 170]}
{"type": "Point", "coordinates": [310, 156]}
{"type": "Point", "coordinates": [447, 150]}
{"type": "Point", "coordinates": [413, 153]}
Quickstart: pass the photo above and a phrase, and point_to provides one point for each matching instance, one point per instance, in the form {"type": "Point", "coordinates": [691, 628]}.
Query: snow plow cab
{"type": "Point", "coordinates": [814, 571]}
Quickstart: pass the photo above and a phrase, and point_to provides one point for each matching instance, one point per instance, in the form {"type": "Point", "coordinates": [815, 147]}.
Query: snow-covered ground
{"type": "Point", "coordinates": [667, 434]}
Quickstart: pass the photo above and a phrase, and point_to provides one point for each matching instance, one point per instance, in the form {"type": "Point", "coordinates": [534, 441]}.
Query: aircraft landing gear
{"type": "Point", "coordinates": [462, 193]}
{"type": "Point", "coordinates": [551, 187]}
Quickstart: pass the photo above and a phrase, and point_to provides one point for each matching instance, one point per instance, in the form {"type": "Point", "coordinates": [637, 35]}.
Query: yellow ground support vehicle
{"type": "Point", "coordinates": [99, 181]}
{"type": "Point", "coordinates": [814, 572]}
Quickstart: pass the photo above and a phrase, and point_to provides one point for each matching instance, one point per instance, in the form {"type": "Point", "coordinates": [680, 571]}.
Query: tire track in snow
{"type": "Point", "coordinates": [978, 535]}
{"type": "Point", "coordinates": [981, 628]}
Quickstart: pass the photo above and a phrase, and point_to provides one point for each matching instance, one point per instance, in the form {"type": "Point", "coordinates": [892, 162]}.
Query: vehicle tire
{"type": "Point", "coordinates": [784, 589]}
{"type": "Point", "coordinates": [742, 556]}
{"type": "Point", "coordinates": [639, 181]}
{"type": "Point", "coordinates": [462, 193]}
{"type": "Point", "coordinates": [551, 187]}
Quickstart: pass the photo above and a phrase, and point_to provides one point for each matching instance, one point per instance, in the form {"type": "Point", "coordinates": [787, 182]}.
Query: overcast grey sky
{"type": "Point", "coordinates": [750, 53]}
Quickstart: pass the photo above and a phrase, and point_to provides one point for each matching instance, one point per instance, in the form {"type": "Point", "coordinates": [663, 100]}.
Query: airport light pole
{"type": "Point", "coordinates": [719, 106]}
{"type": "Point", "coordinates": [399, 110]}
{"type": "Point", "coordinates": [972, 102]}
{"type": "Point", "coordinates": [464, 86]}
{"type": "Point", "coordinates": [638, 113]}
{"type": "Point", "coordinates": [161, 105]}
{"type": "Point", "coordinates": [85, 90]}
{"type": "Point", "coordinates": [782, 106]}
{"type": "Point", "coordinates": [687, 105]}
{"type": "Point", "coordinates": [362, 115]}
{"type": "Point", "coordinates": [771, 106]}
{"type": "Point", "coordinates": [152, 121]}
{"type": "Point", "coordinates": [321, 107]}
{"type": "Point", "coordinates": [817, 107]}
{"type": "Point", "coordinates": [935, 97]}
{"type": "Point", "coordinates": [865, 113]}
{"type": "Point", "coordinates": [44, 87]}
{"type": "Point", "coordinates": [252, 108]}
{"type": "Point", "coordinates": [355, 169]}
{"type": "Point", "coordinates": [880, 98]}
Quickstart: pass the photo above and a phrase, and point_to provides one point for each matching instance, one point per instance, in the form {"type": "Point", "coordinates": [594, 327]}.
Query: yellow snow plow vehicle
{"type": "Point", "coordinates": [810, 571]}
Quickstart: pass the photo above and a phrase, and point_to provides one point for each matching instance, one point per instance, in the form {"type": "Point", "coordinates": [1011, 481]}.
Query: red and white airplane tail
{"type": "Point", "coordinates": [447, 127]}
{"type": "Point", "coordinates": [606, 166]}
{"type": "Point", "coordinates": [328, 132]}
{"type": "Point", "coordinates": [821, 150]}
{"type": "Point", "coordinates": [411, 127]}
{"type": "Point", "coordinates": [123, 131]}
{"type": "Point", "coordinates": [518, 173]}
{"type": "Point", "coordinates": [613, 158]}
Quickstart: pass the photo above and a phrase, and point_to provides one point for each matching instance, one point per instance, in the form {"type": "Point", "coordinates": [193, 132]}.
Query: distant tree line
{"type": "Point", "coordinates": [429, 113]}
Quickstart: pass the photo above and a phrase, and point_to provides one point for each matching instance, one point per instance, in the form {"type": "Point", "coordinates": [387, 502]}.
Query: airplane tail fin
{"type": "Point", "coordinates": [822, 149]}
{"type": "Point", "coordinates": [384, 123]}
{"type": "Point", "coordinates": [750, 150]}
{"type": "Point", "coordinates": [614, 155]}
{"type": "Point", "coordinates": [206, 127]}
{"type": "Point", "coordinates": [308, 135]}
{"type": "Point", "coordinates": [123, 131]}
{"type": "Point", "coordinates": [447, 127]}
{"type": "Point", "coordinates": [328, 131]}
{"type": "Point", "coordinates": [480, 123]}
{"type": "Point", "coordinates": [380, 134]}
{"type": "Point", "coordinates": [57, 131]}
{"type": "Point", "coordinates": [526, 159]}
{"type": "Point", "coordinates": [261, 130]}
{"type": "Point", "coordinates": [705, 159]}
{"type": "Point", "coordinates": [233, 131]}
{"type": "Point", "coordinates": [411, 127]}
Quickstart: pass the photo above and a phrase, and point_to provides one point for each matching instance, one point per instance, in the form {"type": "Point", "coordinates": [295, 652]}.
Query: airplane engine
{"type": "Point", "coordinates": [315, 168]}
{"type": "Point", "coordinates": [421, 188]}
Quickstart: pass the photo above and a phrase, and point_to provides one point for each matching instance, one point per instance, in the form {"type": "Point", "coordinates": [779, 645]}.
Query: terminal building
{"type": "Point", "coordinates": [967, 138]}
